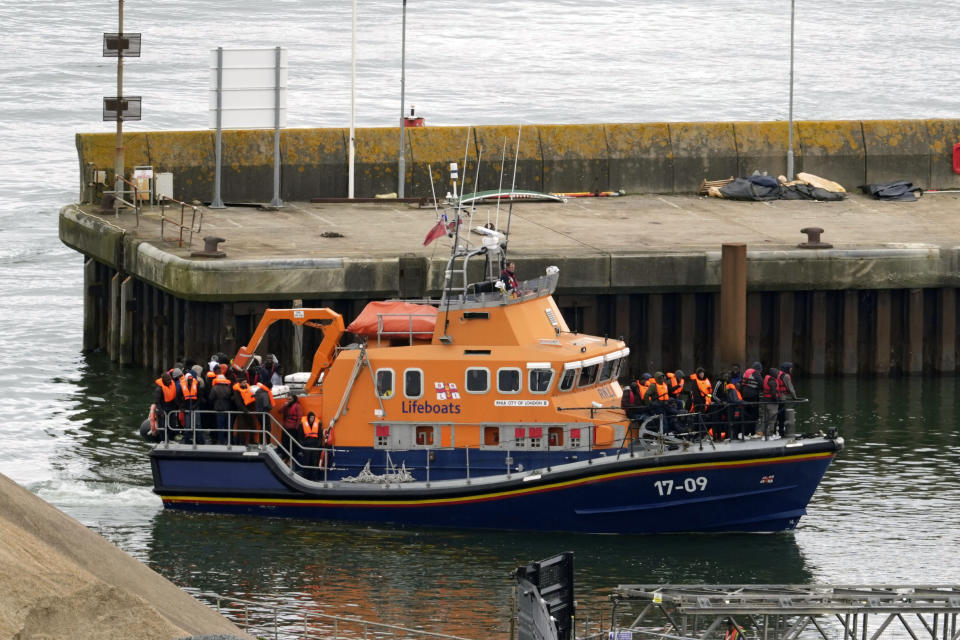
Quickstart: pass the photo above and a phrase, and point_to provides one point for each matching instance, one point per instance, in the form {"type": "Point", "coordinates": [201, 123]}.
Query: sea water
{"type": "Point", "coordinates": [886, 511]}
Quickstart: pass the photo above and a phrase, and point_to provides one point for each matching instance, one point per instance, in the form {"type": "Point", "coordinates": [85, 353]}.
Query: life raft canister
{"type": "Point", "coordinates": [956, 158]}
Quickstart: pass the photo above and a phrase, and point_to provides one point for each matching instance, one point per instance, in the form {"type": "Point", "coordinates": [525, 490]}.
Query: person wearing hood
{"type": "Point", "coordinates": [750, 385]}
{"type": "Point", "coordinates": [221, 401]}
{"type": "Point", "coordinates": [770, 398]}
{"type": "Point", "coordinates": [786, 391]}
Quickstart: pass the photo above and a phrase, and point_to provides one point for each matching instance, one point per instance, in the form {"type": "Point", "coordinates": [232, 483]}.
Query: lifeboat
{"type": "Point", "coordinates": [480, 409]}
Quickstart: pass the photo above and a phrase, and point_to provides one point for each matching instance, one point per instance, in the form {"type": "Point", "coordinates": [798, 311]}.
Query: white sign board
{"type": "Point", "coordinates": [248, 88]}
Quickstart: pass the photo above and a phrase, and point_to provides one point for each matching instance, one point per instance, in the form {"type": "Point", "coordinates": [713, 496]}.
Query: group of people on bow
{"type": "Point", "coordinates": [223, 403]}
{"type": "Point", "coordinates": [740, 405]}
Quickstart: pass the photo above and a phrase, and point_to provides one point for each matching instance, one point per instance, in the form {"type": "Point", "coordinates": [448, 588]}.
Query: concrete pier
{"type": "Point", "coordinates": [881, 301]}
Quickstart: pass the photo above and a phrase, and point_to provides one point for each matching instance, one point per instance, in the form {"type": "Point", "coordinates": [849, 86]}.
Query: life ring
{"type": "Point", "coordinates": [956, 158]}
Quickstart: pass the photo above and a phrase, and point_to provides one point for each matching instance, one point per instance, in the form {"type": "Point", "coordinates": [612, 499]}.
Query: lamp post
{"type": "Point", "coordinates": [790, 115]}
{"type": "Point", "coordinates": [401, 164]}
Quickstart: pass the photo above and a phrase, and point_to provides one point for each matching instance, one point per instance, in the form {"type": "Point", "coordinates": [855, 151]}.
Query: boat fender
{"type": "Point", "coordinates": [956, 158]}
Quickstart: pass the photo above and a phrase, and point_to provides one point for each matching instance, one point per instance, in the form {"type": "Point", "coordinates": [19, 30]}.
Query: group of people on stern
{"type": "Point", "coordinates": [739, 406]}
{"type": "Point", "coordinates": [222, 403]}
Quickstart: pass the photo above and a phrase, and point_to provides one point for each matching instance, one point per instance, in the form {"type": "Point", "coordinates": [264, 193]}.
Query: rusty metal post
{"type": "Point", "coordinates": [733, 304]}
{"type": "Point", "coordinates": [818, 333]}
{"type": "Point", "coordinates": [127, 302]}
{"type": "Point", "coordinates": [113, 317]}
{"type": "Point", "coordinates": [882, 333]}
{"type": "Point", "coordinates": [851, 308]}
{"type": "Point", "coordinates": [913, 362]}
{"type": "Point", "coordinates": [653, 350]}
{"type": "Point", "coordinates": [947, 351]}
{"type": "Point", "coordinates": [90, 291]}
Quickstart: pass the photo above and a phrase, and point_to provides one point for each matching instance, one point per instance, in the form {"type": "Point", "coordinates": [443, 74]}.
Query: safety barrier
{"type": "Point", "coordinates": [180, 225]}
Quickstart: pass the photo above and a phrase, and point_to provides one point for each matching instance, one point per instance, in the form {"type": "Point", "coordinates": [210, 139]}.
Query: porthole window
{"type": "Point", "coordinates": [385, 388]}
{"type": "Point", "coordinates": [569, 376]}
{"type": "Point", "coordinates": [413, 383]}
{"type": "Point", "coordinates": [508, 380]}
{"type": "Point", "coordinates": [539, 379]}
{"type": "Point", "coordinates": [477, 380]}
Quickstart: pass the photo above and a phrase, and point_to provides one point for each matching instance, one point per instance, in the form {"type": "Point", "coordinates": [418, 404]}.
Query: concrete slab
{"type": "Point", "coordinates": [875, 244]}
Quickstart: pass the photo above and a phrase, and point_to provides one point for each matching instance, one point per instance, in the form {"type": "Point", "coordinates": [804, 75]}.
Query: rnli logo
{"type": "Point", "coordinates": [766, 480]}
{"type": "Point", "coordinates": [446, 390]}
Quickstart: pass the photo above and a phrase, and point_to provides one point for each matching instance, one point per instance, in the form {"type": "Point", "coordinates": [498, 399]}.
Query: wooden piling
{"type": "Point", "coordinates": [947, 338]}
{"type": "Point", "coordinates": [653, 351]}
{"type": "Point", "coordinates": [688, 331]}
{"type": "Point", "coordinates": [125, 351]}
{"type": "Point", "coordinates": [818, 333]}
{"type": "Point", "coordinates": [882, 333]}
{"type": "Point", "coordinates": [851, 305]}
{"type": "Point", "coordinates": [913, 362]}
{"type": "Point", "coordinates": [89, 305]}
{"type": "Point", "coordinates": [733, 304]}
{"type": "Point", "coordinates": [784, 327]}
{"type": "Point", "coordinates": [113, 346]}
{"type": "Point", "coordinates": [754, 326]}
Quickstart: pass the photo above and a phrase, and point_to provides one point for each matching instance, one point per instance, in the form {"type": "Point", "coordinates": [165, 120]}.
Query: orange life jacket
{"type": "Point", "coordinates": [246, 393]}
{"type": "Point", "coordinates": [643, 387]}
{"type": "Point", "coordinates": [189, 387]}
{"type": "Point", "coordinates": [770, 388]}
{"type": "Point", "coordinates": [269, 393]}
{"type": "Point", "coordinates": [220, 379]}
{"type": "Point", "coordinates": [730, 386]}
{"type": "Point", "coordinates": [663, 394]}
{"type": "Point", "coordinates": [310, 430]}
{"type": "Point", "coordinates": [781, 384]}
{"type": "Point", "coordinates": [732, 634]}
{"type": "Point", "coordinates": [169, 390]}
{"type": "Point", "coordinates": [706, 390]}
{"type": "Point", "coordinates": [675, 386]}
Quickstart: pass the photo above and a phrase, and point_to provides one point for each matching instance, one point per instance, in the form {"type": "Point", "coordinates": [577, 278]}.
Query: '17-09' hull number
{"type": "Point", "coordinates": [689, 485]}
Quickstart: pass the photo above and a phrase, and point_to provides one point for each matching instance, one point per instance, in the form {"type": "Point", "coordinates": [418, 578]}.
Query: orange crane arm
{"type": "Point", "coordinates": [333, 329]}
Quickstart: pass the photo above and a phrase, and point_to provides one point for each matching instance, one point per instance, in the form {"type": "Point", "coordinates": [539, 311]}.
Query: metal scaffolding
{"type": "Point", "coordinates": [787, 612]}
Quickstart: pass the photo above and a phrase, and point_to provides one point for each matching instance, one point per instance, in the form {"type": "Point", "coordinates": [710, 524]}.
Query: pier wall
{"type": "Point", "coordinates": [890, 312]}
{"type": "Point", "coordinates": [637, 158]}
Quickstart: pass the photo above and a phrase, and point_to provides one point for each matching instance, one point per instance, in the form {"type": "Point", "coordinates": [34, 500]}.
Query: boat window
{"type": "Point", "coordinates": [566, 382]}
{"type": "Point", "coordinates": [424, 436]}
{"type": "Point", "coordinates": [536, 437]}
{"type": "Point", "coordinates": [617, 368]}
{"type": "Point", "coordinates": [491, 436]}
{"type": "Point", "coordinates": [607, 370]}
{"type": "Point", "coordinates": [588, 375]}
{"type": "Point", "coordinates": [539, 380]}
{"type": "Point", "coordinates": [478, 380]}
{"type": "Point", "coordinates": [555, 436]}
{"type": "Point", "coordinates": [508, 380]}
{"type": "Point", "coordinates": [413, 383]}
{"type": "Point", "coordinates": [381, 436]}
{"type": "Point", "coordinates": [385, 383]}
{"type": "Point", "coordinates": [575, 436]}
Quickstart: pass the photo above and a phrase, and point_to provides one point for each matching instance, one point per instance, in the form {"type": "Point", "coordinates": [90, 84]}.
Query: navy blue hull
{"type": "Point", "coordinates": [733, 489]}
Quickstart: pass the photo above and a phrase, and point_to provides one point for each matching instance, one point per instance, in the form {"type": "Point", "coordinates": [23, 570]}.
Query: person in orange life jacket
{"type": "Point", "coordinates": [245, 401]}
{"type": "Point", "coordinates": [733, 401]}
{"type": "Point", "coordinates": [221, 401]}
{"type": "Point", "coordinates": [770, 399]}
{"type": "Point", "coordinates": [732, 632]}
{"type": "Point", "coordinates": [264, 402]}
{"type": "Point", "coordinates": [509, 278]}
{"type": "Point", "coordinates": [292, 413]}
{"type": "Point", "coordinates": [657, 398]}
{"type": "Point", "coordinates": [680, 391]}
{"type": "Point", "coordinates": [701, 390]}
{"type": "Point", "coordinates": [786, 390]}
{"type": "Point", "coordinates": [311, 442]}
{"type": "Point", "coordinates": [642, 384]}
{"type": "Point", "coordinates": [190, 391]}
{"type": "Point", "coordinates": [166, 403]}
{"type": "Point", "coordinates": [750, 391]}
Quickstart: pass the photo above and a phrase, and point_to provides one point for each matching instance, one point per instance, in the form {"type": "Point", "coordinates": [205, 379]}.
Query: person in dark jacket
{"type": "Point", "coordinates": [750, 386]}
{"type": "Point", "coordinates": [221, 401]}
{"type": "Point", "coordinates": [787, 392]}
{"type": "Point", "coordinates": [292, 436]}
{"type": "Point", "coordinates": [770, 397]}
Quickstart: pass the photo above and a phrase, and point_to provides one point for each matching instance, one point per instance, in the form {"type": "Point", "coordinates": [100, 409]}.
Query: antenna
{"type": "Point", "coordinates": [516, 156]}
{"type": "Point", "coordinates": [503, 161]}
{"type": "Point", "coordinates": [436, 207]}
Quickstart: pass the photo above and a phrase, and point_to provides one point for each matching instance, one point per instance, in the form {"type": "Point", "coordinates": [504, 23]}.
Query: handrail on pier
{"type": "Point", "coordinates": [118, 198]}
{"type": "Point", "coordinates": [180, 225]}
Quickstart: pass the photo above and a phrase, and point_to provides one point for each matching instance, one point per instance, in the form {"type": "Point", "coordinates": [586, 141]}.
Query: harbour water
{"type": "Point", "coordinates": [887, 509]}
